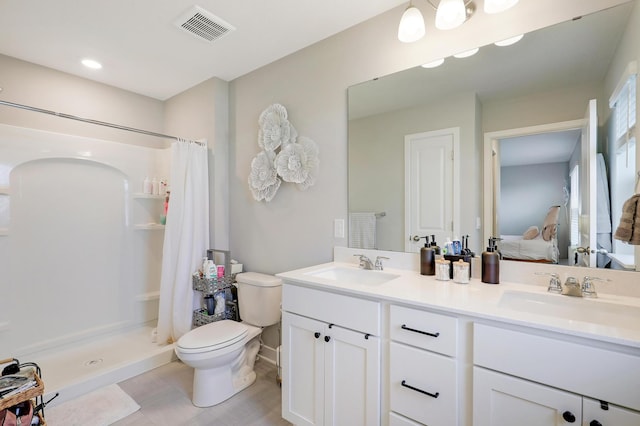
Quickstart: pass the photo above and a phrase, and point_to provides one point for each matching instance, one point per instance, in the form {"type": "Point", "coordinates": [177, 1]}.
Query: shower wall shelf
{"type": "Point", "coordinates": [149, 227]}
{"type": "Point", "coordinates": [148, 297]}
{"type": "Point", "coordinates": [4, 190]}
{"type": "Point", "coordinates": [142, 195]}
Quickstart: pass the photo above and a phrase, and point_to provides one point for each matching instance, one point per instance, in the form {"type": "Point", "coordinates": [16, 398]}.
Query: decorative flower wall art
{"type": "Point", "coordinates": [284, 156]}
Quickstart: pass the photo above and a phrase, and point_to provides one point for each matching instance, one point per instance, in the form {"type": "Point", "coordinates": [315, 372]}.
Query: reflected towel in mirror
{"type": "Point", "coordinates": [362, 230]}
{"type": "Point", "coordinates": [629, 227]}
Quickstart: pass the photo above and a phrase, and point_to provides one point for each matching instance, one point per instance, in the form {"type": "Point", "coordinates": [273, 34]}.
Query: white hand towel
{"type": "Point", "coordinates": [362, 230]}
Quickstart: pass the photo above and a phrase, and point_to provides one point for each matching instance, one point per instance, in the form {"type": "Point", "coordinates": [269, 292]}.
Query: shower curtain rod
{"type": "Point", "coordinates": [99, 123]}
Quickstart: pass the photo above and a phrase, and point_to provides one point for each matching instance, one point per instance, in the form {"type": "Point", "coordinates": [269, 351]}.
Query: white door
{"type": "Point", "coordinates": [502, 400]}
{"type": "Point", "coordinates": [429, 186]}
{"type": "Point", "coordinates": [302, 370]}
{"type": "Point", "coordinates": [595, 413]}
{"type": "Point", "coordinates": [352, 378]}
{"type": "Point", "coordinates": [588, 182]}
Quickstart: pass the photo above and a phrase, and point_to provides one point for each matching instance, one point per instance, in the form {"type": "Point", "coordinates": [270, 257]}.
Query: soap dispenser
{"type": "Point", "coordinates": [427, 259]}
{"type": "Point", "coordinates": [434, 245]}
{"type": "Point", "coordinates": [491, 264]}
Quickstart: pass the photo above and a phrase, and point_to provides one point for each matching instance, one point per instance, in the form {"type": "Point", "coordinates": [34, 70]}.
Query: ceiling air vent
{"type": "Point", "coordinates": [203, 24]}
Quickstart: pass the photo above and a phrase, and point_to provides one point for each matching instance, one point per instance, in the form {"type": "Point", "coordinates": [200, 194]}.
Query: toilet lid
{"type": "Point", "coordinates": [220, 333]}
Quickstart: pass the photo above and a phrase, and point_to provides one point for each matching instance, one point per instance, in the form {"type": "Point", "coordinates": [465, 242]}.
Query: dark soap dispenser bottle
{"type": "Point", "coordinates": [427, 259]}
{"type": "Point", "coordinates": [434, 245]}
{"type": "Point", "coordinates": [491, 264]}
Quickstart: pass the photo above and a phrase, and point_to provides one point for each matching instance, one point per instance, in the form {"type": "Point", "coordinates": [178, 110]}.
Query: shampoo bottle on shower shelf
{"type": "Point", "coordinates": [491, 264]}
{"type": "Point", "coordinates": [146, 186]}
{"type": "Point", "coordinates": [155, 187]}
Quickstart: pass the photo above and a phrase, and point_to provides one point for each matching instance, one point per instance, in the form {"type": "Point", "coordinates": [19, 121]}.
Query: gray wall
{"type": "Point", "coordinates": [296, 228]}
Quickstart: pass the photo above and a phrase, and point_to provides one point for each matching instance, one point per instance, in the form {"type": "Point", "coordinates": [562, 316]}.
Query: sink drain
{"type": "Point", "coordinates": [93, 362]}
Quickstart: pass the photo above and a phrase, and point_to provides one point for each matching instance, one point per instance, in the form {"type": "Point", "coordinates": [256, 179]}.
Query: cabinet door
{"type": "Point", "coordinates": [502, 400]}
{"type": "Point", "coordinates": [594, 414]}
{"type": "Point", "coordinates": [302, 370]}
{"type": "Point", "coordinates": [352, 378]}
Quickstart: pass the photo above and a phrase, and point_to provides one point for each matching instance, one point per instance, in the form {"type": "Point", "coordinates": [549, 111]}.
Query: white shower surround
{"type": "Point", "coordinates": [78, 261]}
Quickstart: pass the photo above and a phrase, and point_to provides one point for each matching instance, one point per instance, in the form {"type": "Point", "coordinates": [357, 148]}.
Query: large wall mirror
{"type": "Point", "coordinates": [485, 104]}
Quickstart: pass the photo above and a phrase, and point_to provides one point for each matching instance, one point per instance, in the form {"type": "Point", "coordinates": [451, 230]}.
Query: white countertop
{"type": "Point", "coordinates": [488, 301]}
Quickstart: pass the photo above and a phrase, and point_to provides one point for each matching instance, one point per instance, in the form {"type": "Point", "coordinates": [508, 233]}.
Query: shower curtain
{"type": "Point", "coordinates": [186, 238]}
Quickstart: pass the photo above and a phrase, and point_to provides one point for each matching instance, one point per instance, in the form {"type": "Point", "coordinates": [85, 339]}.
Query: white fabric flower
{"type": "Point", "coordinates": [263, 179]}
{"type": "Point", "coordinates": [298, 162]}
{"type": "Point", "coordinates": [275, 129]}
{"type": "Point", "coordinates": [313, 162]}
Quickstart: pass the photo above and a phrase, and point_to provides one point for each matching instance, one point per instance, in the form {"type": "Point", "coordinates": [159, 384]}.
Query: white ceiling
{"type": "Point", "coordinates": [144, 52]}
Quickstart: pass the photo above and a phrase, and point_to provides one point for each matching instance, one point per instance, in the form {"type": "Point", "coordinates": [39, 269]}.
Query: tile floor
{"type": "Point", "coordinates": [164, 396]}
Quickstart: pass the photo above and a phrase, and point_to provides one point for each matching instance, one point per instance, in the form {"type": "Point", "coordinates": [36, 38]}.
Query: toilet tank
{"type": "Point", "coordinates": [259, 297]}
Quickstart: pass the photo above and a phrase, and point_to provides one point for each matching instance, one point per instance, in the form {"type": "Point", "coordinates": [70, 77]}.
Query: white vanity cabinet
{"type": "Point", "coordinates": [538, 379]}
{"type": "Point", "coordinates": [330, 358]}
{"type": "Point", "coordinates": [423, 369]}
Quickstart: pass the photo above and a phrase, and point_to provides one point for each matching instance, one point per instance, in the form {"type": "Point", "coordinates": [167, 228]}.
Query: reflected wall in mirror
{"type": "Point", "coordinates": [548, 77]}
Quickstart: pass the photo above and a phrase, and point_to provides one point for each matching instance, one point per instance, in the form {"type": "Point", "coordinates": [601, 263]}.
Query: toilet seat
{"type": "Point", "coordinates": [212, 337]}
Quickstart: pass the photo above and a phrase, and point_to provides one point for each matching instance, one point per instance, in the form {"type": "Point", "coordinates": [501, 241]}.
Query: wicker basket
{"type": "Point", "coordinates": [33, 392]}
{"type": "Point", "coordinates": [211, 285]}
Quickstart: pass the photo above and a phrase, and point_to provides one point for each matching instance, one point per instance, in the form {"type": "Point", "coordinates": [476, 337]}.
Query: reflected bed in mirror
{"type": "Point", "coordinates": [548, 77]}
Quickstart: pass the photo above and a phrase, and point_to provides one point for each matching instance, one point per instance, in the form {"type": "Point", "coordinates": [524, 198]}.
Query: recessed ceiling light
{"type": "Point", "coordinates": [433, 64]}
{"type": "Point", "coordinates": [90, 63]}
{"type": "Point", "coordinates": [467, 53]}
{"type": "Point", "coordinates": [509, 41]}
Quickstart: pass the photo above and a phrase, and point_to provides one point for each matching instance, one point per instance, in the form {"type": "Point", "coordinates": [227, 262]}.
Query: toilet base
{"type": "Point", "coordinates": [215, 385]}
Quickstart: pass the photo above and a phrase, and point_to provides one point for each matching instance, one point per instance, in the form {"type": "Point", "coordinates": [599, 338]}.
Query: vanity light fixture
{"type": "Point", "coordinates": [509, 41]}
{"type": "Point", "coordinates": [90, 63]}
{"type": "Point", "coordinates": [497, 6]}
{"type": "Point", "coordinates": [433, 64]}
{"type": "Point", "coordinates": [466, 53]}
{"type": "Point", "coordinates": [411, 26]}
{"type": "Point", "coordinates": [449, 14]}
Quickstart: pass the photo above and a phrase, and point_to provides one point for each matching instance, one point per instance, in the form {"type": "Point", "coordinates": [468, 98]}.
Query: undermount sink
{"type": "Point", "coordinates": [353, 275]}
{"type": "Point", "coordinates": [571, 308]}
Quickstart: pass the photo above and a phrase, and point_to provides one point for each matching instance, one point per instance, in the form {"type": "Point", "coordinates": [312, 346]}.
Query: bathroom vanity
{"type": "Point", "coordinates": [398, 348]}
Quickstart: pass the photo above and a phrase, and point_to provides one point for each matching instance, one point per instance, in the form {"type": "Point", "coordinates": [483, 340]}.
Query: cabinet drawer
{"type": "Point", "coordinates": [426, 330]}
{"type": "Point", "coordinates": [396, 420]}
{"type": "Point", "coordinates": [599, 373]}
{"type": "Point", "coordinates": [345, 311]}
{"type": "Point", "coordinates": [424, 372]}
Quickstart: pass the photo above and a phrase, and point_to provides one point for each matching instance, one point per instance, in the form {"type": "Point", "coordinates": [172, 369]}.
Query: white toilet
{"type": "Point", "coordinates": [223, 353]}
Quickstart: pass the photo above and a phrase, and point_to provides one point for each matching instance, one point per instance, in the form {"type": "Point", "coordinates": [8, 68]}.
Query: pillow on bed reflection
{"type": "Point", "coordinates": [531, 233]}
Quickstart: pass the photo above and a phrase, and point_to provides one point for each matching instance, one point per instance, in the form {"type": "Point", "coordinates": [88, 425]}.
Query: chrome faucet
{"type": "Point", "coordinates": [572, 287]}
{"type": "Point", "coordinates": [588, 289]}
{"type": "Point", "coordinates": [554, 282]}
{"type": "Point", "coordinates": [365, 262]}
{"type": "Point", "coordinates": [379, 262]}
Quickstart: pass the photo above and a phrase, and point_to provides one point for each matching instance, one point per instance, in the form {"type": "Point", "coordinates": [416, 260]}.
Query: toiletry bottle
{"type": "Point", "coordinates": [427, 259]}
{"type": "Point", "coordinates": [434, 245]}
{"type": "Point", "coordinates": [491, 264]}
{"type": "Point", "coordinates": [212, 269]}
{"type": "Point", "coordinates": [456, 246]}
{"type": "Point", "coordinates": [205, 267]}
{"type": "Point", "coordinates": [146, 186]}
{"type": "Point", "coordinates": [155, 186]}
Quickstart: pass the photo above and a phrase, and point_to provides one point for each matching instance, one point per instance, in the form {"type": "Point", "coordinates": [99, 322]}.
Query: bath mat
{"type": "Point", "coordinates": [101, 407]}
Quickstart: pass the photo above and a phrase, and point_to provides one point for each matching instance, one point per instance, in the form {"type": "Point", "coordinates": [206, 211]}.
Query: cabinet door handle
{"type": "Point", "coordinates": [569, 417]}
{"type": "Point", "coordinates": [595, 423]}
{"type": "Point", "coordinates": [432, 395]}
{"type": "Point", "coordinates": [316, 334]}
{"type": "Point", "coordinates": [404, 327]}
{"type": "Point", "coordinates": [327, 338]}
